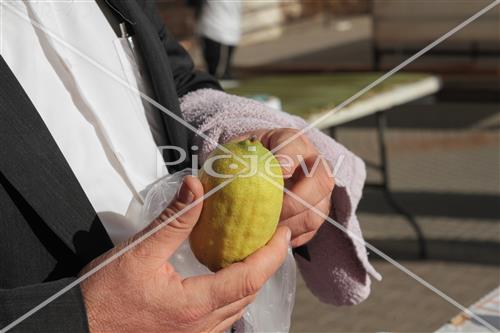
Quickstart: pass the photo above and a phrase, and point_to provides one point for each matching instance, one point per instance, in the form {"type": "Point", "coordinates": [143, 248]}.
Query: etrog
{"type": "Point", "coordinates": [241, 216]}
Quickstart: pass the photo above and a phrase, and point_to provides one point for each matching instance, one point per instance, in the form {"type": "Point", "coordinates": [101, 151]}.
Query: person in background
{"type": "Point", "coordinates": [219, 28]}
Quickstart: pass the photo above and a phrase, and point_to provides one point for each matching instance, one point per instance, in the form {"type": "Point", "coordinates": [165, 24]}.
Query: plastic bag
{"type": "Point", "coordinates": [272, 308]}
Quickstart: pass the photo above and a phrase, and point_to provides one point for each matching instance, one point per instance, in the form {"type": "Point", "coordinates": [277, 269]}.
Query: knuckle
{"type": "Point", "coordinates": [251, 285]}
{"type": "Point", "coordinates": [169, 214]}
{"type": "Point", "coordinates": [312, 222]}
{"type": "Point", "coordinates": [326, 184]}
{"type": "Point", "coordinates": [290, 205]}
{"type": "Point", "coordinates": [174, 208]}
{"type": "Point", "coordinates": [219, 296]}
{"type": "Point", "coordinates": [324, 181]}
{"type": "Point", "coordinates": [302, 138]}
{"type": "Point", "coordinates": [174, 220]}
{"type": "Point", "coordinates": [307, 224]}
{"type": "Point", "coordinates": [296, 134]}
{"type": "Point", "coordinates": [191, 315]}
{"type": "Point", "coordinates": [156, 223]}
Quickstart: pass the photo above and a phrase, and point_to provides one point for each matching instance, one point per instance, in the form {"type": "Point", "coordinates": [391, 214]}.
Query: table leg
{"type": "Point", "coordinates": [381, 126]}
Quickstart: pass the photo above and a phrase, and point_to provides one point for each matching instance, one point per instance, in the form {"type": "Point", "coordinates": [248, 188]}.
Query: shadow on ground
{"type": "Point", "coordinates": [456, 205]}
{"type": "Point", "coordinates": [465, 251]}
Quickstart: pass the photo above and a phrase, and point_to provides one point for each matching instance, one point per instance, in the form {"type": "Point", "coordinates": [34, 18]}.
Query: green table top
{"type": "Point", "coordinates": [307, 94]}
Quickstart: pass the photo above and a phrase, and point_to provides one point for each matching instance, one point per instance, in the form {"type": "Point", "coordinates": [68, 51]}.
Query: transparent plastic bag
{"type": "Point", "coordinates": [271, 310]}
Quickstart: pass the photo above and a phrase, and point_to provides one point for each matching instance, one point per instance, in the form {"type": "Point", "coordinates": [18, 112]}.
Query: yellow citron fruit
{"type": "Point", "coordinates": [242, 216]}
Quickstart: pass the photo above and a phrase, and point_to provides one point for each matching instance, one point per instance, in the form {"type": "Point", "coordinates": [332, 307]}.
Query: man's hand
{"type": "Point", "coordinates": [306, 174]}
{"type": "Point", "coordinates": [141, 292]}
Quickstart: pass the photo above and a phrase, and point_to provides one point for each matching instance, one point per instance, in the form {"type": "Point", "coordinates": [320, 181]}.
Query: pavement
{"type": "Point", "coordinates": [398, 303]}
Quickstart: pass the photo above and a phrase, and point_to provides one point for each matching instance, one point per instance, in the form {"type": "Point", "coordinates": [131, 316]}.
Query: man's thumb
{"type": "Point", "coordinates": [175, 223]}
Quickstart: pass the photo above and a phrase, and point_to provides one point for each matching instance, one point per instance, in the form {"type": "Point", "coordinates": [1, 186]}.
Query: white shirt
{"type": "Point", "coordinates": [221, 21]}
{"type": "Point", "coordinates": [100, 126]}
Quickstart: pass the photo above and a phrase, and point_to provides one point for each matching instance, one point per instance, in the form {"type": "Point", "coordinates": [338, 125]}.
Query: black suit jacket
{"type": "Point", "coordinates": [48, 228]}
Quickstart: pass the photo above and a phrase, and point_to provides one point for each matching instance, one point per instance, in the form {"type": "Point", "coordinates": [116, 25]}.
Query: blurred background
{"type": "Point", "coordinates": [429, 136]}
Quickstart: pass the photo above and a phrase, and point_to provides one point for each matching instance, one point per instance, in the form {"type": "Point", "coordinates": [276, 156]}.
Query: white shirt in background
{"type": "Point", "coordinates": [221, 21]}
{"type": "Point", "coordinates": [100, 125]}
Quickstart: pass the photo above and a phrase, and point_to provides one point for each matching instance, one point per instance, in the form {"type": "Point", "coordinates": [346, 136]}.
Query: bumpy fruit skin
{"type": "Point", "coordinates": [241, 217]}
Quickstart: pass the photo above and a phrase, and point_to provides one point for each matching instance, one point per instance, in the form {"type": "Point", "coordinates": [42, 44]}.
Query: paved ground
{"type": "Point", "coordinates": [444, 163]}
{"type": "Point", "coordinates": [398, 303]}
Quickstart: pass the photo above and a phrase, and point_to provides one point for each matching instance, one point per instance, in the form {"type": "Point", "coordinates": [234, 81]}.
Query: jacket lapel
{"type": "Point", "coordinates": [160, 73]}
{"type": "Point", "coordinates": [34, 165]}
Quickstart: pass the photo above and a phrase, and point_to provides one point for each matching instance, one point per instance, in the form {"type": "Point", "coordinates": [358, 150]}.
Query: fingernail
{"type": "Point", "coordinates": [185, 195]}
